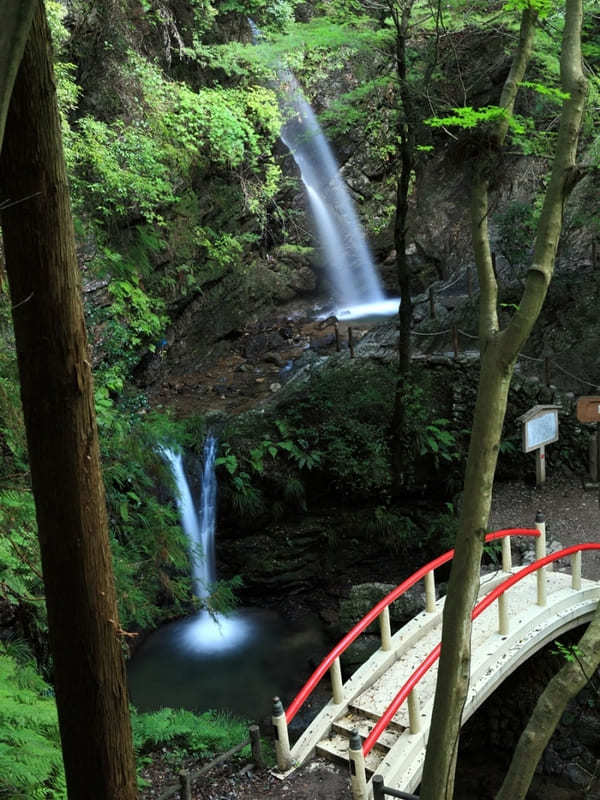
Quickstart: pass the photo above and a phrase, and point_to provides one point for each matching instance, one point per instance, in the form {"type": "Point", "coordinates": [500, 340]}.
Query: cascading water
{"type": "Point", "coordinates": [357, 288]}
{"type": "Point", "coordinates": [199, 529]}
{"type": "Point", "coordinates": [339, 231]}
{"type": "Point", "coordinates": [207, 631]}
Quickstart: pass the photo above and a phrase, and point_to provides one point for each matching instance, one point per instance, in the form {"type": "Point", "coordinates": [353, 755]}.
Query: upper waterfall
{"type": "Point", "coordinates": [340, 235]}
{"type": "Point", "coordinates": [356, 286]}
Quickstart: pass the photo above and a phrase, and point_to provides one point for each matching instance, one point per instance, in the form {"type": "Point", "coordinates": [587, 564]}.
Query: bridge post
{"type": "Point", "coordinates": [503, 626]}
{"type": "Point", "coordinates": [337, 689]}
{"type": "Point", "coordinates": [358, 776]}
{"type": "Point", "coordinates": [385, 628]}
{"type": "Point", "coordinates": [430, 592]}
{"type": "Point", "coordinates": [506, 555]}
{"type": "Point", "coordinates": [414, 712]}
{"type": "Point", "coordinates": [576, 571]}
{"type": "Point", "coordinates": [378, 787]}
{"type": "Point", "coordinates": [282, 742]}
{"type": "Point", "coordinates": [540, 552]}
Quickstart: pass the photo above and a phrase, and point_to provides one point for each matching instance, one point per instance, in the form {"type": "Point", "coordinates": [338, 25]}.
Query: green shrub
{"type": "Point", "coordinates": [396, 532]}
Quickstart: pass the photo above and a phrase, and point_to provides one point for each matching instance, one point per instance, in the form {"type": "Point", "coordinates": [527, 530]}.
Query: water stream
{"type": "Point", "coordinates": [340, 235]}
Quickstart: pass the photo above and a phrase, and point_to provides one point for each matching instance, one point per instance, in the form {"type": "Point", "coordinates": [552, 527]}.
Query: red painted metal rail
{"type": "Point", "coordinates": [374, 613]}
{"type": "Point", "coordinates": [481, 606]}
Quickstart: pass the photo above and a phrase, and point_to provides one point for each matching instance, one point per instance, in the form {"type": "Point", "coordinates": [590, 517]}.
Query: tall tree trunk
{"type": "Point", "coordinates": [499, 350]}
{"type": "Point", "coordinates": [16, 16]}
{"type": "Point", "coordinates": [58, 405]}
{"type": "Point", "coordinates": [406, 135]}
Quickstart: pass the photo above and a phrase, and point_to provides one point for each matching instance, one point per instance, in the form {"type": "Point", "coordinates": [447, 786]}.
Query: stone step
{"type": "Point", "coordinates": [335, 748]}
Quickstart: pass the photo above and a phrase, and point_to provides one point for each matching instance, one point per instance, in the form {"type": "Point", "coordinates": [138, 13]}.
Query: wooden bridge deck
{"type": "Point", "coordinates": [399, 754]}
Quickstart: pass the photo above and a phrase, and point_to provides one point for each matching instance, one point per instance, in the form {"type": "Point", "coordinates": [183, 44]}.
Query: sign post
{"type": "Point", "coordinates": [588, 410]}
{"type": "Point", "coordinates": [540, 427]}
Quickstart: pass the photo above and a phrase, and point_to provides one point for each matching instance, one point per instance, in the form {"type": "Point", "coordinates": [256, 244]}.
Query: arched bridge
{"type": "Point", "coordinates": [379, 719]}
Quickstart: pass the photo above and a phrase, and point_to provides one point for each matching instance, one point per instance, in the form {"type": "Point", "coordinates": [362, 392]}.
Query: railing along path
{"type": "Point", "coordinates": [358, 749]}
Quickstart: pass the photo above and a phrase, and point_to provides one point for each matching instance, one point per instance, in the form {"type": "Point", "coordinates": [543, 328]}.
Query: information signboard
{"type": "Point", "coordinates": [540, 427]}
{"type": "Point", "coordinates": [541, 430]}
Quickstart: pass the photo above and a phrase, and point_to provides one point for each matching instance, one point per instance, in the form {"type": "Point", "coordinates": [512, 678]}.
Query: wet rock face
{"type": "Point", "coordinates": [275, 565]}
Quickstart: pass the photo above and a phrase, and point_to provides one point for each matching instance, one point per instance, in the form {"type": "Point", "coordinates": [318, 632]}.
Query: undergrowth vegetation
{"type": "Point", "coordinates": [30, 756]}
{"type": "Point", "coordinates": [205, 734]}
{"type": "Point", "coordinates": [329, 437]}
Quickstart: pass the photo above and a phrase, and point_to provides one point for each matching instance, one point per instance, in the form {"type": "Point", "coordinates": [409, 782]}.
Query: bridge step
{"type": "Point", "coordinates": [353, 721]}
{"type": "Point", "coordinates": [335, 748]}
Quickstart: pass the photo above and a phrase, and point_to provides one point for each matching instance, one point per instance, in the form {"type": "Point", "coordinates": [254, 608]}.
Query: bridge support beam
{"type": "Point", "coordinates": [503, 626]}
{"type": "Point", "coordinates": [414, 712]}
{"type": "Point", "coordinates": [282, 742]}
{"type": "Point", "coordinates": [337, 686]}
{"type": "Point", "coordinates": [358, 776]}
{"type": "Point", "coordinates": [506, 555]}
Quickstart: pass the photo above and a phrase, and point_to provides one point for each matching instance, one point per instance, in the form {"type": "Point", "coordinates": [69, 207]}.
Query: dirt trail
{"type": "Point", "coordinates": [572, 513]}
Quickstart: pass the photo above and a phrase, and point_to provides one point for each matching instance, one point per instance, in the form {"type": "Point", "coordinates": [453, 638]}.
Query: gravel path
{"type": "Point", "coordinates": [572, 513]}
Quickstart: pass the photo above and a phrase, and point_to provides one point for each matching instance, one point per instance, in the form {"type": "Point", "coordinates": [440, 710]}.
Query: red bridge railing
{"type": "Point", "coordinates": [480, 607]}
{"type": "Point", "coordinates": [331, 662]}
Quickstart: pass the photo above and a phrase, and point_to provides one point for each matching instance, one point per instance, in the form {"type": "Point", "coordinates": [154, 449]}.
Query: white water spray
{"type": "Point", "coordinates": [207, 631]}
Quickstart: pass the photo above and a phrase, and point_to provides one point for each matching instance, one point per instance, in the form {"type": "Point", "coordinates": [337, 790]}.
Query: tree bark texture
{"type": "Point", "coordinates": [16, 16]}
{"type": "Point", "coordinates": [499, 350]}
{"type": "Point", "coordinates": [563, 687]}
{"type": "Point", "coordinates": [58, 405]}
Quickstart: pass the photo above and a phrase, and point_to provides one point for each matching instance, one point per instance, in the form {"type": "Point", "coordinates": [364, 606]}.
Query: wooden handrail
{"type": "Point", "coordinates": [364, 623]}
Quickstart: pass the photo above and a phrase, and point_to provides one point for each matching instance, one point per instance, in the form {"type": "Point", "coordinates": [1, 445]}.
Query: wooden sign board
{"type": "Point", "coordinates": [540, 427]}
{"type": "Point", "coordinates": [588, 409]}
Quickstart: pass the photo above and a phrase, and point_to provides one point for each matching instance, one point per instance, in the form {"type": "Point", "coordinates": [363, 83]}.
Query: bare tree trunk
{"type": "Point", "coordinates": [406, 135]}
{"type": "Point", "coordinates": [565, 685]}
{"type": "Point", "coordinates": [16, 16]}
{"type": "Point", "coordinates": [58, 405]}
{"type": "Point", "coordinates": [499, 350]}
